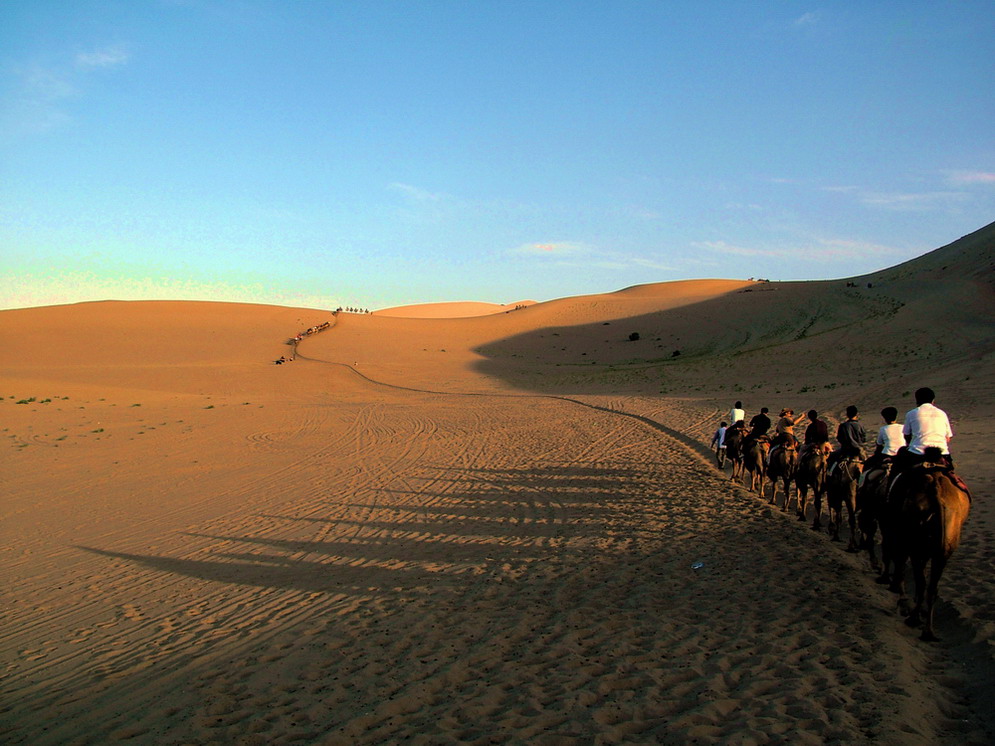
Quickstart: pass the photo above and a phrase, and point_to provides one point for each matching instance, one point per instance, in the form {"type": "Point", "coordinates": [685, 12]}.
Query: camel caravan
{"type": "Point", "coordinates": [907, 489]}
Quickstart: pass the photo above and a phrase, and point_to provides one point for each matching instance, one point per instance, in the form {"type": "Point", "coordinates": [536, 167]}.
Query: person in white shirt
{"type": "Point", "coordinates": [890, 435]}
{"type": "Point", "coordinates": [927, 426]}
{"type": "Point", "coordinates": [889, 441]}
{"type": "Point", "coordinates": [737, 414]}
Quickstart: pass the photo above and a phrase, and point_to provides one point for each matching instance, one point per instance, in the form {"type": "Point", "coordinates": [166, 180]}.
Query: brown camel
{"type": "Point", "coordinates": [930, 510]}
{"type": "Point", "coordinates": [755, 462]}
{"type": "Point", "coordinates": [872, 496]}
{"type": "Point", "coordinates": [841, 489]}
{"type": "Point", "coordinates": [782, 466]}
{"type": "Point", "coordinates": [734, 452]}
{"type": "Point", "coordinates": [811, 474]}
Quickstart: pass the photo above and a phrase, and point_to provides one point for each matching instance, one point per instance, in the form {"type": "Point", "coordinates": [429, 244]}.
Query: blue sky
{"type": "Point", "coordinates": [383, 153]}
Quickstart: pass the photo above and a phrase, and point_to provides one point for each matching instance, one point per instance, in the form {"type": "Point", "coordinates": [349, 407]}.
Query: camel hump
{"type": "Point", "coordinates": [960, 483]}
{"type": "Point", "coordinates": [939, 465]}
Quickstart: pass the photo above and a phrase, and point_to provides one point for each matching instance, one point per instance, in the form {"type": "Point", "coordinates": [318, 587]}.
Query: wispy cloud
{"type": "Point", "coordinates": [37, 105]}
{"type": "Point", "coordinates": [40, 94]}
{"type": "Point", "coordinates": [111, 56]}
{"type": "Point", "coordinates": [962, 178]}
{"type": "Point", "coordinates": [914, 201]}
{"type": "Point", "coordinates": [819, 249]}
{"type": "Point", "coordinates": [574, 254]}
{"type": "Point", "coordinates": [722, 247]}
{"type": "Point", "coordinates": [911, 201]}
{"type": "Point", "coordinates": [808, 19]}
{"type": "Point", "coordinates": [551, 249]}
{"type": "Point", "coordinates": [416, 193]}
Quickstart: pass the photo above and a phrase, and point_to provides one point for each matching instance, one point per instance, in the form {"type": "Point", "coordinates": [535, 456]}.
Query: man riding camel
{"type": "Point", "coordinates": [851, 436]}
{"type": "Point", "coordinates": [926, 426]}
{"type": "Point", "coordinates": [784, 430]}
{"type": "Point", "coordinates": [816, 434]}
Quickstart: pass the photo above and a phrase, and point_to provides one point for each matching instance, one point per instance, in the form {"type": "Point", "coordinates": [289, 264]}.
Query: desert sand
{"type": "Point", "coordinates": [470, 525]}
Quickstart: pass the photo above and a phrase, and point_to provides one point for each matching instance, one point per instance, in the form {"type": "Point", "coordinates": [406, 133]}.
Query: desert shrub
{"type": "Point", "coordinates": [634, 336]}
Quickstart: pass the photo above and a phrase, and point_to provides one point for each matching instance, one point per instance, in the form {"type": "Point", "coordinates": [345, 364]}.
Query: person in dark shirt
{"type": "Point", "coordinates": [851, 436]}
{"type": "Point", "coordinates": [816, 434]}
{"type": "Point", "coordinates": [760, 424]}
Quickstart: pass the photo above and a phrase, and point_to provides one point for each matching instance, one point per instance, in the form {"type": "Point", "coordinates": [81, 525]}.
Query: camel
{"type": "Point", "coordinates": [841, 488]}
{"type": "Point", "coordinates": [755, 462]}
{"type": "Point", "coordinates": [782, 466]}
{"type": "Point", "coordinates": [734, 442]}
{"type": "Point", "coordinates": [872, 496]}
{"type": "Point", "coordinates": [811, 473]}
{"type": "Point", "coordinates": [929, 510]}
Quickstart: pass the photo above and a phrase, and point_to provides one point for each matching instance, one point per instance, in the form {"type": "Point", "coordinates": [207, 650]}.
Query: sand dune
{"type": "Point", "coordinates": [477, 529]}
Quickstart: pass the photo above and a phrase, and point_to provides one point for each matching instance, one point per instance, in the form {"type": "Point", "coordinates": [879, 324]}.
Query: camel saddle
{"type": "Point", "coordinates": [933, 467]}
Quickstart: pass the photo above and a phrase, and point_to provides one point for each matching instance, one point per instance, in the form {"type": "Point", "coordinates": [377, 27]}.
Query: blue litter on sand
{"type": "Point", "coordinates": [697, 565]}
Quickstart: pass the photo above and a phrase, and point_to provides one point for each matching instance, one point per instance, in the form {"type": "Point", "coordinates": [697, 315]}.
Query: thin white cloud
{"type": "Point", "coordinates": [911, 201]}
{"type": "Point", "coordinates": [40, 98]}
{"type": "Point", "coordinates": [550, 249]}
{"type": "Point", "coordinates": [808, 19]}
{"type": "Point", "coordinates": [111, 56]}
{"type": "Point", "coordinates": [914, 201]}
{"type": "Point", "coordinates": [961, 178]}
{"type": "Point", "coordinates": [652, 264]}
{"type": "Point", "coordinates": [573, 254]}
{"type": "Point", "coordinates": [721, 247]}
{"type": "Point", "coordinates": [416, 193]}
{"type": "Point", "coordinates": [38, 103]}
{"type": "Point", "coordinates": [819, 249]}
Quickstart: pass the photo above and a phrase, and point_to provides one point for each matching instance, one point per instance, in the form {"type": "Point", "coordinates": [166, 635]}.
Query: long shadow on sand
{"type": "Point", "coordinates": [501, 512]}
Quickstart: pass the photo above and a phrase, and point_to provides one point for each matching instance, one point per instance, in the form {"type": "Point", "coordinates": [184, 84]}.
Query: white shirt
{"type": "Point", "coordinates": [890, 438]}
{"type": "Point", "coordinates": [736, 415]}
{"type": "Point", "coordinates": [928, 426]}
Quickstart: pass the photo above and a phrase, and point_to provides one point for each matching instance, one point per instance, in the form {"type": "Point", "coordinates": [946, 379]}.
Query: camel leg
{"type": "Point", "coordinates": [851, 508]}
{"type": "Point", "coordinates": [890, 548]}
{"type": "Point", "coordinates": [935, 571]}
{"type": "Point", "coordinates": [868, 531]}
{"type": "Point", "coordinates": [817, 522]}
{"type": "Point", "coordinates": [919, 577]}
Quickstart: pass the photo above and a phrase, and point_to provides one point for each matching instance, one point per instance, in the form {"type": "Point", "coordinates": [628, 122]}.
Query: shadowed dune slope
{"type": "Point", "coordinates": [932, 317]}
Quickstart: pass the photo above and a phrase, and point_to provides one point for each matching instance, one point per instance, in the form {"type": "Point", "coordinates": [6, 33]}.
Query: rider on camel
{"type": "Point", "coordinates": [925, 426]}
{"type": "Point", "coordinates": [889, 440]}
{"type": "Point", "coordinates": [851, 436]}
{"type": "Point", "coordinates": [816, 434]}
{"type": "Point", "coordinates": [759, 425]}
{"type": "Point", "coordinates": [784, 430]}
